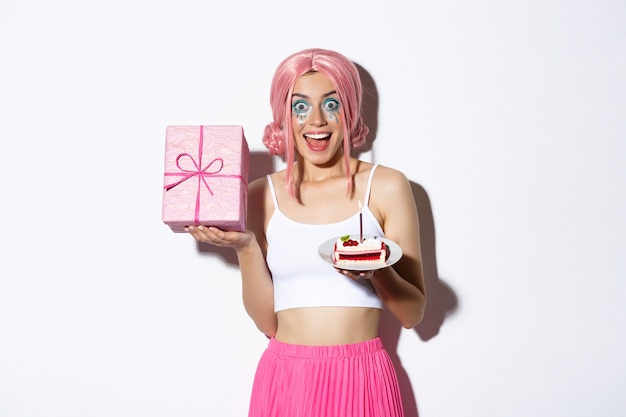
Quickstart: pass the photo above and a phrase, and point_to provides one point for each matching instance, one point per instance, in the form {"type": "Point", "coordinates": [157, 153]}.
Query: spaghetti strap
{"type": "Point", "coordinates": [271, 184]}
{"type": "Point", "coordinates": [369, 185]}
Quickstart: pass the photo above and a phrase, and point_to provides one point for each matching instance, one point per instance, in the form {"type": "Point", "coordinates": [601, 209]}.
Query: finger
{"type": "Point", "coordinates": [199, 233]}
{"type": "Point", "coordinates": [215, 235]}
{"type": "Point", "coordinates": [192, 231]}
{"type": "Point", "coordinates": [350, 274]}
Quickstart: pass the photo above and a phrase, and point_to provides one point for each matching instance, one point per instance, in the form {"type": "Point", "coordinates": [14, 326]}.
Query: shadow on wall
{"type": "Point", "coordinates": [441, 299]}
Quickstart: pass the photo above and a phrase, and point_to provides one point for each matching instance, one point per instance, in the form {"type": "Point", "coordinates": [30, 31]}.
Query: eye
{"type": "Point", "coordinates": [331, 105]}
{"type": "Point", "coordinates": [300, 107]}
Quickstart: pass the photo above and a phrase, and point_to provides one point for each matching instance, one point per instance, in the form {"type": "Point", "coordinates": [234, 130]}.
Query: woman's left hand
{"type": "Point", "coordinates": [355, 275]}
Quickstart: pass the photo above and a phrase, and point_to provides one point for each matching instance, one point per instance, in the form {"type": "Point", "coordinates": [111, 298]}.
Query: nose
{"type": "Point", "coordinates": [318, 116]}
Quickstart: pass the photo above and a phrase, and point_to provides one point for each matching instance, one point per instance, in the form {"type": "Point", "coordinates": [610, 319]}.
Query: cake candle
{"type": "Point", "coordinates": [360, 222]}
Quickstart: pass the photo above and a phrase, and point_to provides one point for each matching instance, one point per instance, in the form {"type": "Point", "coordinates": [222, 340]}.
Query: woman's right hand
{"type": "Point", "coordinates": [217, 237]}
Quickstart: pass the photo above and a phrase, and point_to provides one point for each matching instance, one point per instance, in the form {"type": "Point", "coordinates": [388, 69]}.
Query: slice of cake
{"type": "Point", "coordinates": [350, 252]}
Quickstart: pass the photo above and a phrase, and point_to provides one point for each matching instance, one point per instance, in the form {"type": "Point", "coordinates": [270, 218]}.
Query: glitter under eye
{"type": "Point", "coordinates": [301, 110]}
{"type": "Point", "coordinates": [331, 107]}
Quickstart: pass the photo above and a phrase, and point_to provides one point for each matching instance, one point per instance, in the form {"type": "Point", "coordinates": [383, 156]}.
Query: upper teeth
{"type": "Point", "coordinates": [317, 135]}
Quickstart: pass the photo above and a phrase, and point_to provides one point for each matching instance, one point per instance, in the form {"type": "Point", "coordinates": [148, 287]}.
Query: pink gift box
{"type": "Point", "coordinates": [206, 177]}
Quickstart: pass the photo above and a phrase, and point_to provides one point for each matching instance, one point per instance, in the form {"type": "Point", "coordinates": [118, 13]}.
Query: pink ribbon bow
{"type": "Point", "coordinates": [202, 173]}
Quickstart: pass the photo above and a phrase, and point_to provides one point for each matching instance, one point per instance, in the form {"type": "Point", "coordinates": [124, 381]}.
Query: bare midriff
{"type": "Point", "coordinates": [327, 326]}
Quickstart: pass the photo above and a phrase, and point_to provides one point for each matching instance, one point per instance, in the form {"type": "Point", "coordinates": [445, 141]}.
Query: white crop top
{"type": "Point", "coordinates": [301, 277]}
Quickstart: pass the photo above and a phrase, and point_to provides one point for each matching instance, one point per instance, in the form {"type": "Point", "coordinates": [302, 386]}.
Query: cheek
{"type": "Point", "coordinates": [298, 118]}
{"type": "Point", "coordinates": [333, 116]}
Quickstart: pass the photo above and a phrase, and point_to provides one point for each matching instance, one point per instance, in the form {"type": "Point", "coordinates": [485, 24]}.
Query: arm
{"type": "Point", "coordinates": [250, 246]}
{"type": "Point", "coordinates": [257, 287]}
{"type": "Point", "coordinates": [401, 287]}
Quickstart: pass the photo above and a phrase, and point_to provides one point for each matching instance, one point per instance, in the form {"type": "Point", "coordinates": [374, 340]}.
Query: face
{"type": "Point", "coordinates": [315, 118]}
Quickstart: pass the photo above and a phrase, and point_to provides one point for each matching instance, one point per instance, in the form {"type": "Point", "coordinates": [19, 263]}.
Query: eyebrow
{"type": "Point", "coordinates": [300, 95]}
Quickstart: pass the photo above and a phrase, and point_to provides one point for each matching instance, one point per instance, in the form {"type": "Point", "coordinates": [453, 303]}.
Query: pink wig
{"type": "Point", "coordinates": [278, 136]}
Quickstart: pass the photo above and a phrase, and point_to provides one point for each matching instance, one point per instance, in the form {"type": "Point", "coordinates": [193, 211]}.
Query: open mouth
{"type": "Point", "coordinates": [317, 141]}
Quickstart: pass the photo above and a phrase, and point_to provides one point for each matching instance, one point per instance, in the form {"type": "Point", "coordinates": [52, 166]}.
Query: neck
{"type": "Point", "coordinates": [317, 173]}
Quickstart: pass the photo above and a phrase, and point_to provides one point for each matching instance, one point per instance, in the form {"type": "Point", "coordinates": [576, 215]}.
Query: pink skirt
{"type": "Point", "coordinates": [355, 380]}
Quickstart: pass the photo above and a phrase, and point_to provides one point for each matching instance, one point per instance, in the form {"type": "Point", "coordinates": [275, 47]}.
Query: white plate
{"type": "Point", "coordinates": [395, 253]}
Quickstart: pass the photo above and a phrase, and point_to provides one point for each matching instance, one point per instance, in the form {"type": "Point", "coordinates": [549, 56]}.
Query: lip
{"type": "Point", "coordinates": [317, 141]}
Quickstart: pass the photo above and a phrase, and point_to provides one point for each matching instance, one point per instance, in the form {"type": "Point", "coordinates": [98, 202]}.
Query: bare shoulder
{"type": "Point", "coordinates": [260, 201]}
{"type": "Point", "coordinates": [260, 186]}
{"type": "Point", "coordinates": [389, 181]}
{"type": "Point", "coordinates": [391, 198]}
{"type": "Point", "coordinates": [257, 186]}
{"type": "Point", "coordinates": [258, 194]}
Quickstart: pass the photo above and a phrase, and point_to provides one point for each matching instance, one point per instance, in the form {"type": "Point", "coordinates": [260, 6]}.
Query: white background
{"type": "Point", "coordinates": [508, 117]}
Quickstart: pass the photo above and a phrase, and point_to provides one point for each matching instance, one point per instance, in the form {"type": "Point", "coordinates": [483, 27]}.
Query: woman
{"type": "Point", "coordinates": [324, 356]}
